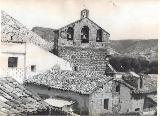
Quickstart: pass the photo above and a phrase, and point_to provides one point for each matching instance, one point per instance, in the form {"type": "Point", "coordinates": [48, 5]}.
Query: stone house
{"type": "Point", "coordinates": [72, 85]}
{"type": "Point", "coordinates": [95, 94]}
{"type": "Point", "coordinates": [23, 52]}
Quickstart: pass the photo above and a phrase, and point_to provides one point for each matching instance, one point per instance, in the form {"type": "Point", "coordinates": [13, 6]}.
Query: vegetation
{"type": "Point", "coordinates": [139, 64]}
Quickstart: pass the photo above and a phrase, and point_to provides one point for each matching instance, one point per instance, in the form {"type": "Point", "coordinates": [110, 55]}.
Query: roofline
{"type": "Point", "coordinates": [126, 84]}
{"type": "Point", "coordinates": [54, 88]}
{"type": "Point", "coordinates": [70, 24]}
{"type": "Point", "coordinates": [99, 26]}
{"type": "Point", "coordinates": [13, 41]}
{"type": "Point", "coordinates": [88, 19]}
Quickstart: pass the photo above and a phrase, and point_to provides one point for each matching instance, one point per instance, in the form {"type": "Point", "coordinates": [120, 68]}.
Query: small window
{"type": "Point", "coordinates": [70, 33]}
{"type": "Point", "coordinates": [49, 88]}
{"type": "Point", "coordinates": [137, 109]}
{"type": "Point", "coordinates": [12, 61]}
{"type": "Point", "coordinates": [33, 68]}
{"type": "Point", "coordinates": [118, 88]}
{"type": "Point", "coordinates": [99, 35]}
{"type": "Point", "coordinates": [106, 103]}
{"type": "Point", "coordinates": [141, 82]}
{"type": "Point", "coordinates": [75, 68]}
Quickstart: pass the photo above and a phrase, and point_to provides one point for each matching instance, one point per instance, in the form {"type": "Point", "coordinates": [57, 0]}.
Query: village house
{"type": "Point", "coordinates": [95, 94]}
{"type": "Point", "coordinates": [23, 52]}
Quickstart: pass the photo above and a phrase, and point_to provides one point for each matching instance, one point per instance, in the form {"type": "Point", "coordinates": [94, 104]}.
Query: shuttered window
{"type": "Point", "coordinates": [12, 61]}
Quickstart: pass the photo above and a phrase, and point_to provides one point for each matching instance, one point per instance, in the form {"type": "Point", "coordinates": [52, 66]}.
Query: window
{"type": "Point", "coordinates": [118, 88]}
{"type": "Point", "coordinates": [70, 33]}
{"type": "Point", "coordinates": [141, 82]}
{"type": "Point", "coordinates": [49, 88]}
{"type": "Point", "coordinates": [137, 109]}
{"type": "Point", "coordinates": [12, 61]}
{"type": "Point", "coordinates": [33, 68]}
{"type": "Point", "coordinates": [75, 68]}
{"type": "Point", "coordinates": [85, 34]}
{"type": "Point", "coordinates": [99, 35]}
{"type": "Point", "coordinates": [106, 103]}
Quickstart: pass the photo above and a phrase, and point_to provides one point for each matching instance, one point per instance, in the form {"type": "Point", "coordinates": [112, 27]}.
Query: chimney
{"type": "Point", "coordinates": [84, 13]}
{"type": "Point", "coordinates": [140, 82]}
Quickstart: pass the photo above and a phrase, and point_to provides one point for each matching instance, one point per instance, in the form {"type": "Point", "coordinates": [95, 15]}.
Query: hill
{"type": "Point", "coordinates": [46, 33]}
{"type": "Point", "coordinates": [130, 47]}
{"type": "Point", "coordinates": [144, 48]}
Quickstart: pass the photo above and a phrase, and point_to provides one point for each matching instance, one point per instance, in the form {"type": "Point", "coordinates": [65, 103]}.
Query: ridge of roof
{"type": "Point", "coordinates": [98, 26]}
{"type": "Point", "coordinates": [83, 19]}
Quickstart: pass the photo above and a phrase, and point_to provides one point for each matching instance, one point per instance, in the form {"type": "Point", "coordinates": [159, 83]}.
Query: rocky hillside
{"type": "Point", "coordinates": [46, 33]}
{"type": "Point", "coordinates": [145, 48]}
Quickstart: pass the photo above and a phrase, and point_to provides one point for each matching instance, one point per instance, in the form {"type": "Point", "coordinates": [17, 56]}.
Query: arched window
{"type": "Point", "coordinates": [99, 35]}
{"type": "Point", "coordinates": [85, 34]}
{"type": "Point", "coordinates": [70, 33]}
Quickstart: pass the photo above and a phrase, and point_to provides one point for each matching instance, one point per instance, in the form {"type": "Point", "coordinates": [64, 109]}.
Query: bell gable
{"type": "Point", "coordinates": [83, 33]}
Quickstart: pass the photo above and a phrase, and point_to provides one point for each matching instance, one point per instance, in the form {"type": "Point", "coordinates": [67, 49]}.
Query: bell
{"type": "Point", "coordinates": [84, 37]}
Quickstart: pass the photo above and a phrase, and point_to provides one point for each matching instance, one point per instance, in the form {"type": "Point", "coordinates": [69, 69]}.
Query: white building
{"type": "Point", "coordinates": [23, 53]}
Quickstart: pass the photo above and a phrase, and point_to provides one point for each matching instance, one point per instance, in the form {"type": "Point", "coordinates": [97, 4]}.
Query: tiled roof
{"type": "Point", "coordinates": [153, 97]}
{"type": "Point", "coordinates": [14, 31]}
{"type": "Point", "coordinates": [69, 80]}
{"type": "Point", "coordinates": [149, 85]}
{"type": "Point", "coordinates": [17, 100]}
{"type": "Point", "coordinates": [120, 80]}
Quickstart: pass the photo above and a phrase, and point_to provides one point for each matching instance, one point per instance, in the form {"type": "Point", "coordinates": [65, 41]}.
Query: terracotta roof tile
{"type": "Point", "coordinates": [69, 80]}
{"type": "Point", "coordinates": [15, 99]}
{"type": "Point", "coordinates": [14, 31]}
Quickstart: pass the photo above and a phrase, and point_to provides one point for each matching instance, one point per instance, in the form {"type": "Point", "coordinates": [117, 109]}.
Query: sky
{"type": "Point", "coordinates": [123, 19]}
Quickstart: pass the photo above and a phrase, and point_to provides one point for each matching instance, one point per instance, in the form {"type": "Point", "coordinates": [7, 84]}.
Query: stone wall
{"type": "Point", "coordinates": [86, 57]}
{"type": "Point", "coordinates": [87, 60]}
{"type": "Point", "coordinates": [129, 103]}
{"type": "Point", "coordinates": [137, 104]}
{"type": "Point", "coordinates": [125, 99]}
{"type": "Point", "coordinates": [119, 102]}
{"type": "Point", "coordinates": [96, 100]}
{"type": "Point", "coordinates": [77, 26]}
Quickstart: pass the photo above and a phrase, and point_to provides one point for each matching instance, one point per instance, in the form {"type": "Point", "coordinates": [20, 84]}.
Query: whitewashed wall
{"type": "Point", "coordinates": [28, 54]}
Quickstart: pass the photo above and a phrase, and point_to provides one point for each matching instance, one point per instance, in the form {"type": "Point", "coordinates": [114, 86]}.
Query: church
{"type": "Point", "coordinates": [85, 45]}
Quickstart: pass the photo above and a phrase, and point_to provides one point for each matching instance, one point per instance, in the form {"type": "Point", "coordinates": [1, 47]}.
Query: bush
{"type": "Point", "coordinates": [138, 65]}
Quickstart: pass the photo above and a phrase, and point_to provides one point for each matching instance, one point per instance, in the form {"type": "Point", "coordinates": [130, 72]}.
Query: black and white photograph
{"type": "Point", "coordinates": [79, 58]}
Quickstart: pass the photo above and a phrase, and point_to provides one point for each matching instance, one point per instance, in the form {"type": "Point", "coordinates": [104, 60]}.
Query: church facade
{"type": "Point", "coordinates": [85, 45]}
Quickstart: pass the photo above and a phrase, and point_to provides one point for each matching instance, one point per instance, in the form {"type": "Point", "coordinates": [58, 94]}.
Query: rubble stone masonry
{"type": "Point", "coordinates": [89, 56]}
